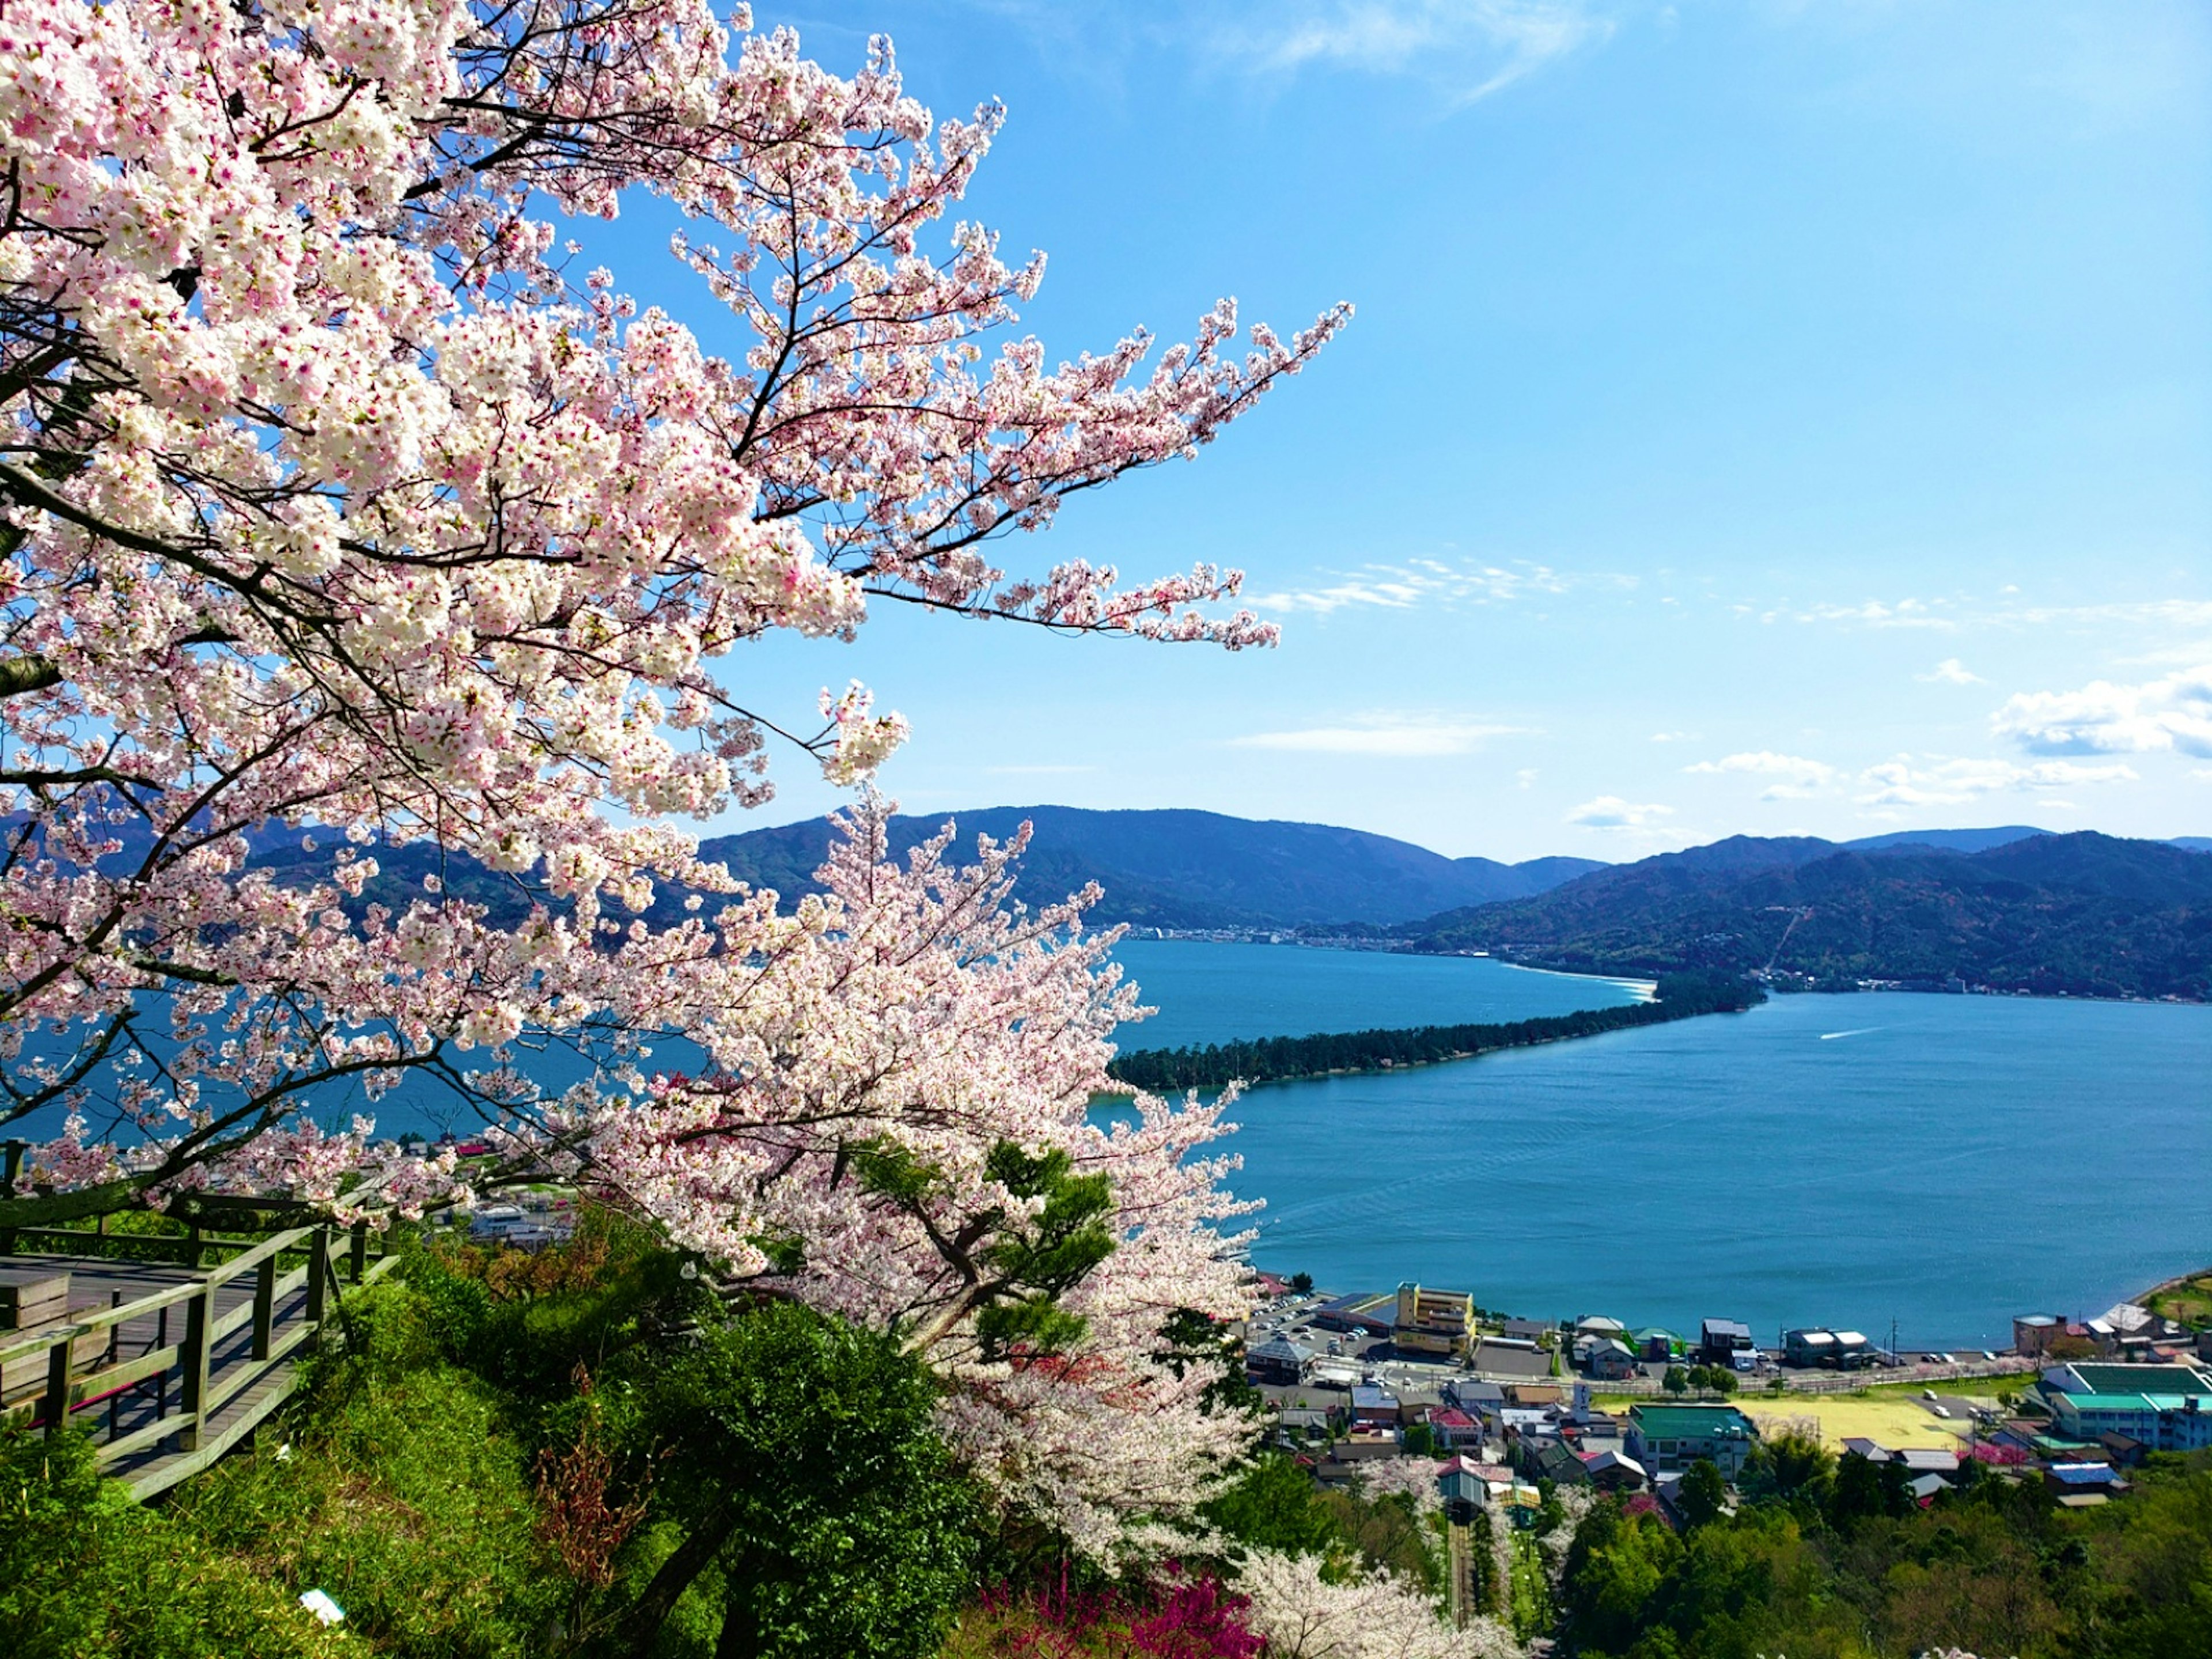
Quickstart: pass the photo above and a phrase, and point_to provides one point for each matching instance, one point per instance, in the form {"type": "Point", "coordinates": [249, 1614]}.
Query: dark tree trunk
{"type": "Point", "coordinates": [641, 1626]}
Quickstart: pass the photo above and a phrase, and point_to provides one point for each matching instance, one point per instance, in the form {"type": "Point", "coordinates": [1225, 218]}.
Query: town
{"type": "Point", "coordinates": [1512, 1409]}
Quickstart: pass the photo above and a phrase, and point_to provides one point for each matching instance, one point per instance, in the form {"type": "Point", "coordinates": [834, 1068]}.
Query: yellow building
{"type": "Point", "coordinates": [1432, 1322]}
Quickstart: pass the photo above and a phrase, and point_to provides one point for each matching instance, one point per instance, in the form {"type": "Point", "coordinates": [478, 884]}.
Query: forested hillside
{"type": "Point", "coordinates": [2078, 915]}
{"type": "Point", "coordinates": [1185, 869]}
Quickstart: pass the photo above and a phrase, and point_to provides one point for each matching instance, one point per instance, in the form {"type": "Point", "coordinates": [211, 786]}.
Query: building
{"type": "Point", "coordinates": [1374, 1409]}
{"type": "Point", "coordinates": [1354, 1315]}
{"type": "Point", "coordinates": [1432, 1322]}
{"type": "Point", "coordinates": [1280, 1361]}
{"type": "Point", "coordinates": [1667, 1439]}
{"type": "Point", "coordinates": [1552, 1460]}
{"type": "Point", "coordinates": [1815, 1347]}
{"type": "Point", "coordinates": [1610, 1361]}
{"type": "Point", "coordinates": [1612, 1470]}
{"type": "Point", "coordinates": [1600, 1325]}
{"type": "Point", "coordinates": [1853, 1350]}
{"type": "Point", "coordinates": [1453, 1428]}
{"type": "Point", "coordinates": [1473, 1395]}
{"type": "Point", "coordinates": [2166, 1407]}
{"type": "Point", "coordinates": [2034, 1334]}
{"type": "Point", "coordinates": [1526, 1330]}
{"type": "Point", "coordinates": [2094, 1482]}
{"type": "Point", "coordinates": [1720, 1341]}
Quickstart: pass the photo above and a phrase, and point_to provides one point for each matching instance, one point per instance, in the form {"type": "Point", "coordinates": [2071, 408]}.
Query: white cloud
{"type": "Point", "coordinates": [1906, 613]}
{"type": "Point", "coordinates": [1471, 47]}
{"type": "Point", "coordinates": [1400, 737]}
{"type": "Point", "coordinates": [1765, 762]}
{"type": "Point", "coordinates": [1950, 671]}
{"type": "Point", "coordinates": [1611, 812]}
{"type": "Point", "coordinates": [1953, 782]}
{"type": "Point", "coordinates": [2103, 718]}
{"type": "Point", "coordinates": [1670, 737]}
{"type": "Point", "coordinates": [1798, 778]}
{"type": "Point", "coordinates": [1418, 582]}
{"type": "Point", "coordinates": [1525, 778]}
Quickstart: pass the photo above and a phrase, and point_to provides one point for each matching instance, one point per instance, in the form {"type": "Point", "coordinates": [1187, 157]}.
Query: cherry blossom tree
{"type": "Point", "coordinates": [337, 504]}
{"type": "Point", "coordinates": [1304, 1614]}
{"type": "Point", "coordinates": [343, 517]}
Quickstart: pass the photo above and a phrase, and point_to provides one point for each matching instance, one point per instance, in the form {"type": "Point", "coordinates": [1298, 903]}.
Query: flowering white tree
{"type": "Point", "coordinates": [1367, 1616]}
{"type": "Point", "coordinates": [336, 509]}
{"type": "Point", "coordinates": [328, 499]}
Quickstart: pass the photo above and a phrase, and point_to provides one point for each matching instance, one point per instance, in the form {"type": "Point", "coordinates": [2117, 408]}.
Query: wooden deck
{"type": "Point", "coordinates": [166, 1367]}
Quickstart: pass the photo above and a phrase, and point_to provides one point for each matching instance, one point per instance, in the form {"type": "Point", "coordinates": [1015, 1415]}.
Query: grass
{"type": "Point", "coordinates": [2189, 1303]}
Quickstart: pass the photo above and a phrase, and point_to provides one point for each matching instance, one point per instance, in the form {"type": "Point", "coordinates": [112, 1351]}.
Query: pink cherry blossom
{"type": "Point", "coordinates": [334, 506]}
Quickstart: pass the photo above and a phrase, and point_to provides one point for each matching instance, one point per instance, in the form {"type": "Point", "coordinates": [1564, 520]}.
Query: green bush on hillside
{"type": "Point", "coordinates": [85, 1573]}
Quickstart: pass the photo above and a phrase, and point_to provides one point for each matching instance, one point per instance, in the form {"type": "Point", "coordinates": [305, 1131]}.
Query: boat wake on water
{"type": "Point", "coordinates": [1863, 1031]}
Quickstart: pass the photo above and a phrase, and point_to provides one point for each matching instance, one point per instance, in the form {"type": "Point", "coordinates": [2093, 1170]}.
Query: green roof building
{"type": "Point", "coordinates": [2166, 1407]}
{"type": "Point", "coordinates": [1667, 1439]}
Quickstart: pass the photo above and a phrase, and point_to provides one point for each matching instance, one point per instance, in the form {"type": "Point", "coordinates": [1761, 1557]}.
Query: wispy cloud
{"type": "Point", "coordinates": [1416, 582]}
{"type": "Point", "coordinates": [1798, 777]}
{"type": "Point", "coordinates": [1611, 812]}
{"type": "Point", "coordinates": [2103, 718]}
{"type": "Point", "coordinates": [1950, 671]}
{"type": "Point", "coordinates": [1469, 48]}
{"type": "Point", "coordinates": [1766, 760]}
{"type": "Point", "coordinates": [1950, 783]}
{"type": "Point", "coordinates": [1877, 613]}
{"type": "Point", "coordinates": [1402, 737]}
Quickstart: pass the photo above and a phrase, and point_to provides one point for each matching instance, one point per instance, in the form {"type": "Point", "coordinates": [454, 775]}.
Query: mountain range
{"type": "Point", "coordinates": [1180, 869]}
{"type": "Point", "coordinates": [2074, 914]}
{"type": "Point", "coordinates": [2015, 908]}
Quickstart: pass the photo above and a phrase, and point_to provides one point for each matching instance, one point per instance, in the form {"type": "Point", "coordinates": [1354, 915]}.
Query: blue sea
{"type": "Point", "coordinates": [1944, 1162]}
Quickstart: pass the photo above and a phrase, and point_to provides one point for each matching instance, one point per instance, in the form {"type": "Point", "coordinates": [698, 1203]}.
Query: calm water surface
{"type": "Point", "coordinates": [1947, 1162]}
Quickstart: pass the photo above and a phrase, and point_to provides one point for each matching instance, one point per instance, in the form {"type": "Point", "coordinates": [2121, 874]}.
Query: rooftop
{"type": "Point", "coordinates": [2129, 1379]}
{"type": "Point", "coordinates": [1690, 1422]}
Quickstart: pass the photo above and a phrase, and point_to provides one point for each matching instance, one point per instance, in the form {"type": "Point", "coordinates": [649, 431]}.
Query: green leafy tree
{"type": "Point", "coordinates": [1272, 1505]}
{"type": "Point", "coordinates": [1789, 1466]}
{"type": "Point", "coordinates": [1302, 1283]}
{"type": "Point", "coordinates": [1703, 1496]}
{"type": "Point", "coordinates": [1676, 1381]}
{"type": "Point", "coordinates": [798, 1456]}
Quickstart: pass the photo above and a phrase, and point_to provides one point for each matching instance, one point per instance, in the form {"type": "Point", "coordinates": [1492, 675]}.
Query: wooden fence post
{"type": "Point", "coordinates": [199, 1315]}
{"type": "Point", "coordinates": [56, 1408]}
{"type": "Point", "coordinates": [319, 1272]}
{"type": "Point", "coordinates": [358, 1256]}
{"type": "Point", "coordinates": [192, 1247]}
{"type": "Point", "coordinates": [9, 1169]}
{"type": "Point", "coordinates": [264, 1305]}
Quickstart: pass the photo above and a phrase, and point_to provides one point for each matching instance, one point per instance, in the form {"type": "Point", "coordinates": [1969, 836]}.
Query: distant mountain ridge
{"type": "Point", "coordinates": [2076, 915]}
{"type": "Point", "coordinates": [1177, 868]}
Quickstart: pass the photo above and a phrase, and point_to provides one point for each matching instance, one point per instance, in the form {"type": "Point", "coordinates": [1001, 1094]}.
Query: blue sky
{"type": "Point", "coordinates": [1760, 417]}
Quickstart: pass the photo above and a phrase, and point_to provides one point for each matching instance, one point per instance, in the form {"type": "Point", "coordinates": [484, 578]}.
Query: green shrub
{"type": "Point", "coordinates": [402, 1486]}
{"type": "Point", "coordinates": [85, 1573]}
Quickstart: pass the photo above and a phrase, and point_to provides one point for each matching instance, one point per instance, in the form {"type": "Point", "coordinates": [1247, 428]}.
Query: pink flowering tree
{"type": "Point", "coordinates": [338, 505]}
{"type": "Point", "coordinates": [347, 525]}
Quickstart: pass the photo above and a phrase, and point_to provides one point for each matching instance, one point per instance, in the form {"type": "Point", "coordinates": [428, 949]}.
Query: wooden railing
{"type": "Point", "coordinates": [197, 1426]}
